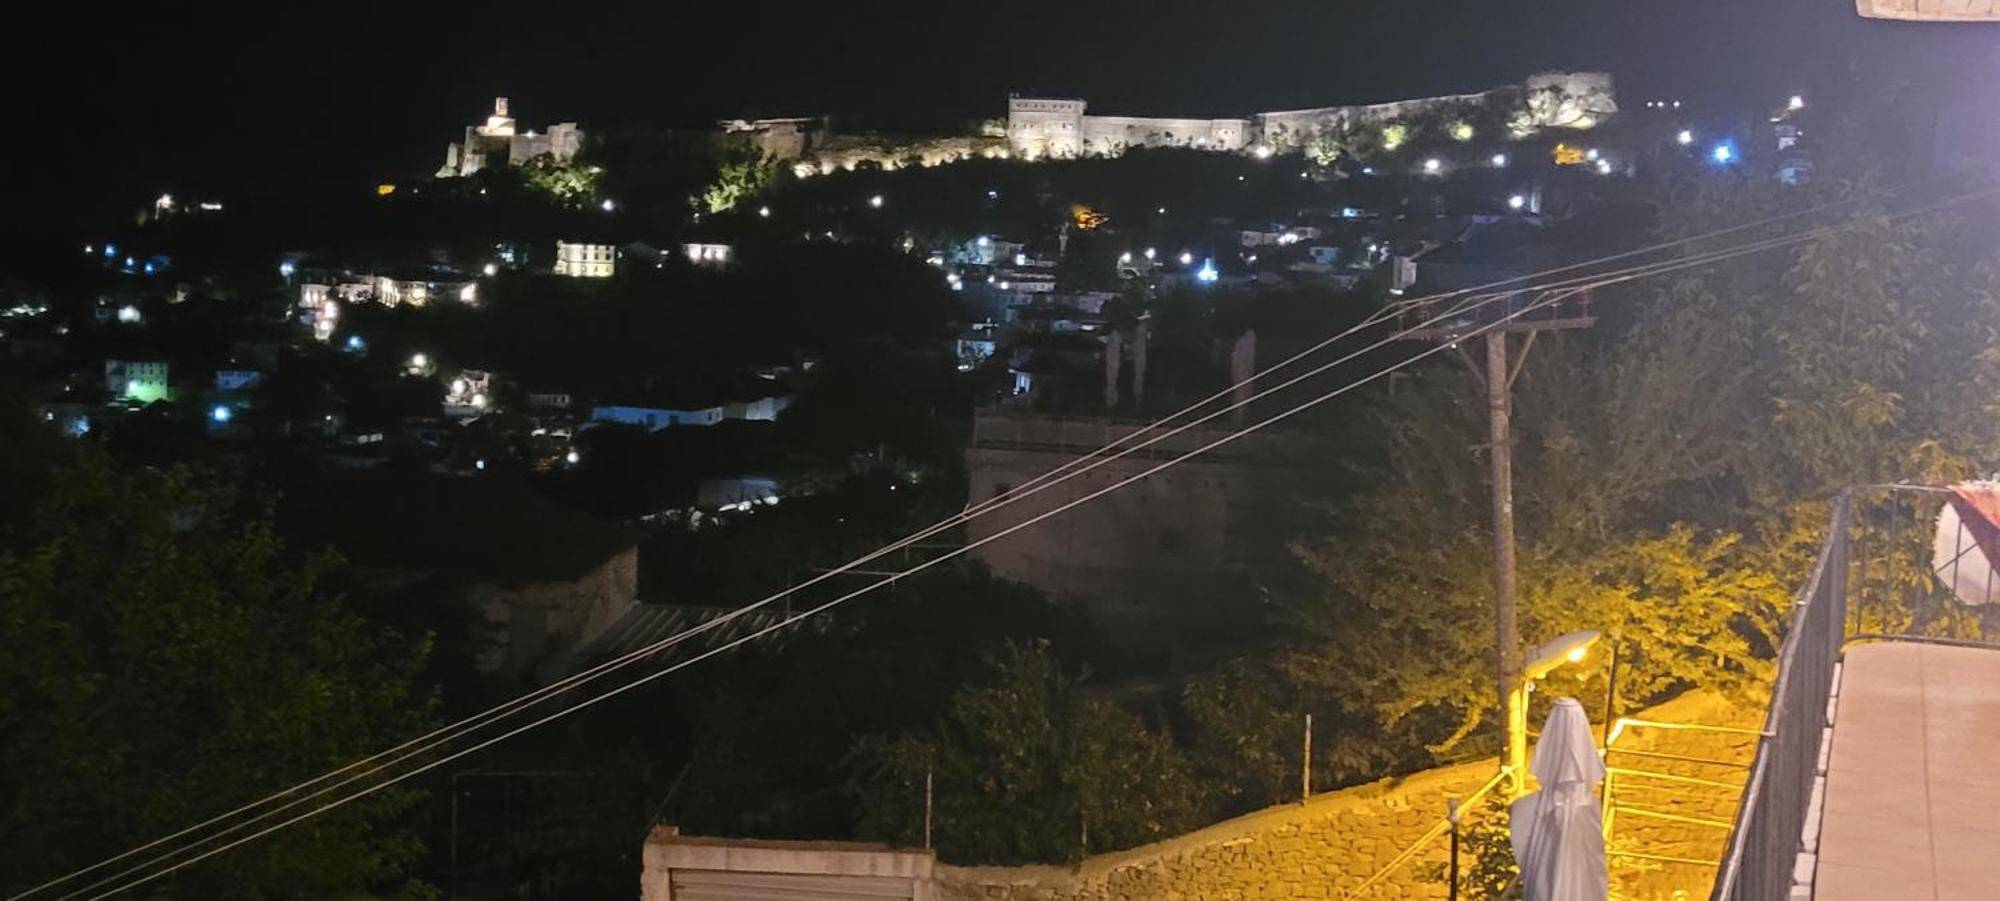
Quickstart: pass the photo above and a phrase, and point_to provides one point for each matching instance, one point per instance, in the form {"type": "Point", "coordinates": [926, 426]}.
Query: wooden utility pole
{"type": "Point", "coordinates": [1506, 626]}
{"type": "Point", "coordinates": [1549, 311]}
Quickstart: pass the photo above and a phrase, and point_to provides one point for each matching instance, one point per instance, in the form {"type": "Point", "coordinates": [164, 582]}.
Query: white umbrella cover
{"type": "Point", "coordinates": [1557, 831]}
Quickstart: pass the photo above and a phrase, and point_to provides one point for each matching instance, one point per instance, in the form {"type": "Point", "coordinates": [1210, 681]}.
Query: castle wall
{"type": "Point", "coordinates": [1038, 127]}
{"type": "Point", "coordinates": [1112, 135]}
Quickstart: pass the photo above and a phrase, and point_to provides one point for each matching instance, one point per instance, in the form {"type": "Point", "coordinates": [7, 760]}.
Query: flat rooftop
{"type": "Point", "coordinates": [1912, 806]}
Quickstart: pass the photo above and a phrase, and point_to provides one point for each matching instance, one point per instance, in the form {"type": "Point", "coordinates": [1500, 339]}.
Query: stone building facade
{"type": "Point", "coordinates": [499, 142]}
{"type": "Point", "coordinates": [1061, 127]}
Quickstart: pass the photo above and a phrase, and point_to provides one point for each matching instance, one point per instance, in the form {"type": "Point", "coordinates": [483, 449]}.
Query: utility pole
{"type": "Point", "coordinates": [1548, 311]}
{"type": "Point", "coordinates": [1506, 626]}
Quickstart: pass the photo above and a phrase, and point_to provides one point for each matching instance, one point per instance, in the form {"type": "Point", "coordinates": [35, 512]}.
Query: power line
{"type": "Point", "coordinates": [473, 722]}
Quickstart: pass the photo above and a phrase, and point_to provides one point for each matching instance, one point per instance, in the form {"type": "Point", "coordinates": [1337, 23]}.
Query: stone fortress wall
{"type": "Point", "coordinates": [1060, 127]}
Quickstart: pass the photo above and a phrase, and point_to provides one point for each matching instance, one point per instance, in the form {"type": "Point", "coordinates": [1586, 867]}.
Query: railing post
{"type": "Point", "coordinates": [1451, 812]}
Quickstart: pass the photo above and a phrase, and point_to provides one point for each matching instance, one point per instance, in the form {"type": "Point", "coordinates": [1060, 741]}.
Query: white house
{"type": "Point", "coordinates": [582, 260]}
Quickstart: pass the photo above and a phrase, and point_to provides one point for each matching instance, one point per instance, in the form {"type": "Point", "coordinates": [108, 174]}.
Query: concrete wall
{"type": "Point", "coordinates": [667, 851]}
{"type": "Point", "coordinates": [1153, 560]}
{"type": "Point", "coordinates": [538, 626]}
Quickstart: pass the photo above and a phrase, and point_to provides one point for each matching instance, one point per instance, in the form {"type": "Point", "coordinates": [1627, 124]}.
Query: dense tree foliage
{"type": "Point", "coordinates": [1027, 766]}
{"type": "Point", "coordinates": [1672, 470]}
{"type": "Point", "coordinates": [164, 663]}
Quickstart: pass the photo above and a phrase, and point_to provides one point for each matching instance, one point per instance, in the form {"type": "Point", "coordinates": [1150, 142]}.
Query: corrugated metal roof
{"type": "Point", "coordinates": [644, 624]}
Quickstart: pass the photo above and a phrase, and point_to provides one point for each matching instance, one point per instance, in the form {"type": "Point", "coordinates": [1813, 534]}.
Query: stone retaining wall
{"type": "Point", "coordinates": [1317, 849]}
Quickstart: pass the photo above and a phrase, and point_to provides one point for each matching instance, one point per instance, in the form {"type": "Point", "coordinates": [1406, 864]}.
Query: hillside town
{"type": "Point", "coordinates": [1040, 503]}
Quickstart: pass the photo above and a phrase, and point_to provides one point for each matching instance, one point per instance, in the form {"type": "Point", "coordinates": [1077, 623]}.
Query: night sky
{"type": "Point", "coordinates": [115, 105]}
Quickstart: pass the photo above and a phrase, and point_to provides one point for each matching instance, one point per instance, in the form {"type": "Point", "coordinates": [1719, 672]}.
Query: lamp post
{"type": "Point", "coordinates": [1538, 661]}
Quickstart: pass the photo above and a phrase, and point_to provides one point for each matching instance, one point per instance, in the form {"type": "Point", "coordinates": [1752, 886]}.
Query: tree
{"type": "Point", "coordinates": [1028, 767]}
{"type": "Point", "coordinates": [1672, 472]}
{"type": "Point", "coordinates": [562, 180]}
{"type": "Point", "coordinates": [743, 173]}
{"type": "Point", "coordinates": [164, 665]}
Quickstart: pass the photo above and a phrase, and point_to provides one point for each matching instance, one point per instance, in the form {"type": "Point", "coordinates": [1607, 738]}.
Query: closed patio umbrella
{"type": "Point", "coordinates": [1557, 833]}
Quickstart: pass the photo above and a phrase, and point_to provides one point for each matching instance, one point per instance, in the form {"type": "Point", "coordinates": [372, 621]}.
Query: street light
{"type": "Point", "coordinates": [607, 205]}
{"type": "Point", "coordinates": [1499, 161]}
{"type": "Point", "coordinates": [1516, 202]}
{"type": "Point", "coordinates": [1432, 165]}
{"type": "Point", "coordinates": [875, 201]}
{"type": "Point", "coordinates": [1544, 658]}
{"type": "Point", "coordinates": [1539, 661]}
{"type": "Point", "coordinates": [1685, 138]}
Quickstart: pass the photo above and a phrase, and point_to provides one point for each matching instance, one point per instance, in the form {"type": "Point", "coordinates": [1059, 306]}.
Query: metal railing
{"type": "Point", "coordinates": [1461, 812]}
{"type": "Point", "coordinates": [1881, 574]}
{"type": "Point", "coordinates": [1764, 844]}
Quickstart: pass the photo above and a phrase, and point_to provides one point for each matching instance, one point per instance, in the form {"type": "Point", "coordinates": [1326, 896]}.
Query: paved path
{"type": "Point", "coordinates": [1913, 786]}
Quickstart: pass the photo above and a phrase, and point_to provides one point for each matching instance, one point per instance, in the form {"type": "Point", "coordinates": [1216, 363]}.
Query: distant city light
{"type": "Point", "coordinates": [1020, 259]}
{"type": "Point", "coordinates": [165, 203]}
{"type": "Point", "coordinates": [110, 250]}
{"type": "Point", "coordinates": [150, 267]}
{"type": "Point", "coordinates": [1499, 160]}
{"type": "Point", "coordinates": [219, 413]}
{"type": "Point", "coordinates": [1796, 103]}
{"type": "Point", "coordinates": [992, 195]}
{"type": "Point", "coordinates": [1161, 211]}
{"type": "Point", "coordinates": [1604, 167]}
{"type": "Point", "coordinates": [490, 270]}
{"type": "Point", "coordinates": [479, 464]}
{"type": "Point", "coordinates": [1723, 154]}
{"type": "Point", "coordinates": [354, 342]}
{"type": "Point", "coordinates": [1187, 259]}
{"type": "Point", "coordinates": [1685, 138]}
{"type": "Point", "coordinates": [1006, 286]}
{"type": "Point", "coordinates": [469, 293]}
{"type": "Point", "coordinates": [89, 249]}
{"type": "Point", "coordinates": [1207, 273]}
{"type": "Point", "coordinates": [764, 212]}
{"type": "Point", "coordinates": [479, 401]}
{"type": "Point", "coordinates": [875, 201]}
{"type": "Point", "coordinates": [1432, 165]}
{"type": "Point", "coordinates": [1367, 170]}
{"type": "Point", "coordinates": [1125, 257]}
{"type": "Point", "coordinates": [1263, 151]}
{"type": "Point", "coordinates": [211, 206]}
{"type": "Point", "coordinates": [286, 269]}
{"type": "Point", "coordinates": [1151, 253]}
{"type": "Point", "coordinates": [129, 262]}
{"type": "Point", "coordinates": [419, 361]}
{"type": "Point", "coordinates": [1516, 202]}
{"type": "Point", "coordinates": [1590, 154]}
{"type": "Point", "coordinates": [129, 313]}
{"type": "Point", "coordinates": [572, 457]}
{"type": "Point", "coordinates": [985, 241]}
{"type": "Point", "coordinates": [607, 205]}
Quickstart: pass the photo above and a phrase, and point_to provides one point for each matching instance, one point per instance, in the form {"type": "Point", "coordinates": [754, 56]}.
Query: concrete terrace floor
{"type": "Point", "coordinates": [1912, 806]}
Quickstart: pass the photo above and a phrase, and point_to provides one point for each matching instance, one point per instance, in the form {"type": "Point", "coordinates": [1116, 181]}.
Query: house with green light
{"type": "Point", "coordinates": [144, 381]}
